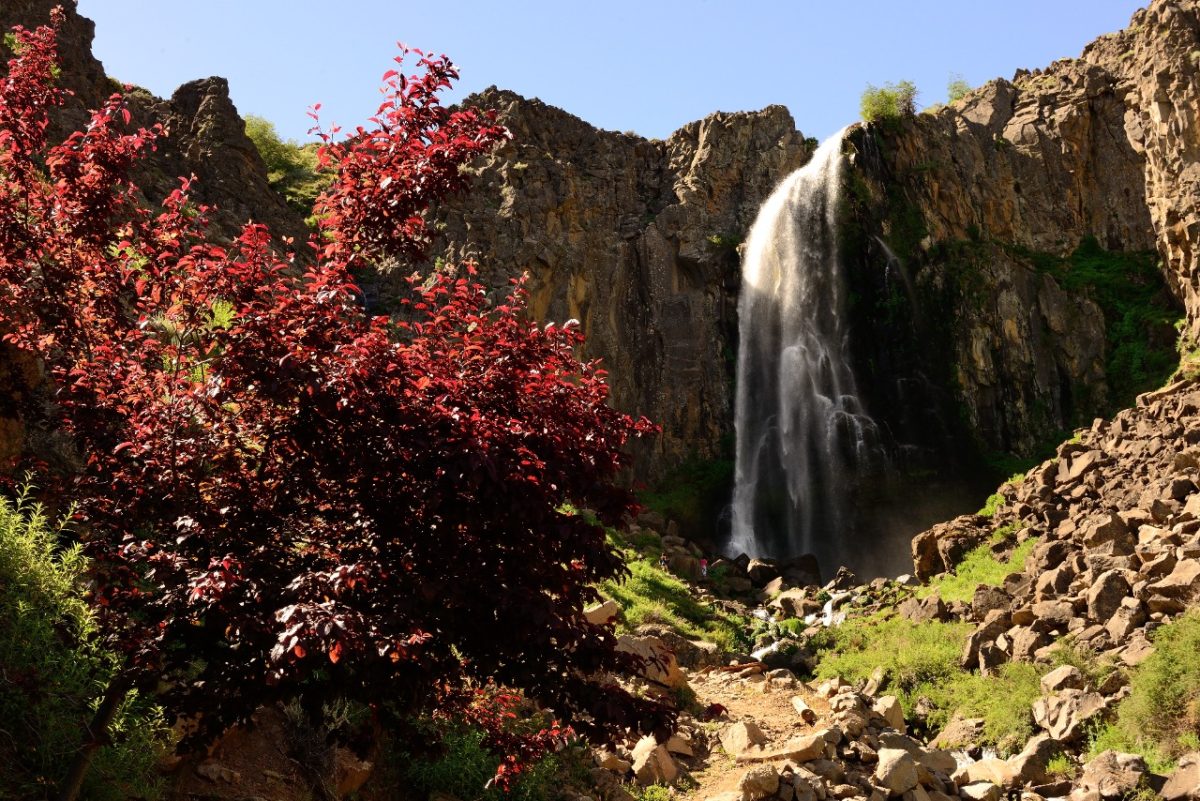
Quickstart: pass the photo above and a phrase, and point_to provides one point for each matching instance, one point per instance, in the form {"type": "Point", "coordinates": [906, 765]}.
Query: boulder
{"type": "Point", "coordinates": [349, 772]}
{"type": "Point", "coordinates": [1184, 783]}
{"type": "Point", "coordinates": [888, 708]}
{"type": "Point", "coordinates": [959, 733]}
{"type": "Point", "coordinates": [1105, 595]}
{"type": "Point", "coordinates": [923, 610]}
{"type": "Point", "coordinates": [740, 736]}
{"type": "Point", "coordinates": [759, 782]}
{"type": "Point", "coordinates": [761, 571]}
{"type": "Point", "coordinates": [658, 661]}
{"type": "Point", "coordinates": [896, 770]}
{"type": "Point", "coordinates": [1109, 530]}
{"type": "Point", "coordinates": [603, 614]}
{"type": "Point", "coordinates": [1113, 774]}
{"type": "Point", "coordinates": [1065, 714]}
{"type": "Point", "coordinates": [653, 763]}
{"type": "Point", "coordinates": [1064, 677]}
{"type": "Point", "coordinates": [993, 770]}
{"type": "Point", "coordinates": [931, 759]}
{"type": "Point", "coordinates": [1030, 765]}
{"type": "Point", "coordinates": [980, 791]}
{"type": "Point", "coordinates": [1183, 583]}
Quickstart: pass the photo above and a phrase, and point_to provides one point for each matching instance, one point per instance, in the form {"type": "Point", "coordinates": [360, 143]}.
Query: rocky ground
{"type": "Point", "coordinates": [1115, 519]}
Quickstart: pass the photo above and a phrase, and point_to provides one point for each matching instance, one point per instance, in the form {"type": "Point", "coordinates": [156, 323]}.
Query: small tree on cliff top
{"type": "Point", "coordinates": [282, 496]}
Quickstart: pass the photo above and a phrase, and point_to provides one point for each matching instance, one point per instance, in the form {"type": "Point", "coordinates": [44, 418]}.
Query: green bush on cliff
{"type": "Point", "coordinates": [1161, 717]}
{"type": "Point", "coordinates": [291, 167]}
{"type": "Point", "coordinates": [52, 674]}
{"type": "Point", "coordinates": [1139, 315]}
{"type": "Point", "coordinates": [888, 102]}
{"type": "Point", "coordinates": [956, 89]}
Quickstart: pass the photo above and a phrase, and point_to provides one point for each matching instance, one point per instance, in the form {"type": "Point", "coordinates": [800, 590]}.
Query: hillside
{"type": "Point", "coordinates": [1023, 301]}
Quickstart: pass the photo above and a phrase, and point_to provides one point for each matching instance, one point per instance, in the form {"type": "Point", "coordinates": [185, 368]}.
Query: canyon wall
{"type": "Point", "coordinates": [962, 330]}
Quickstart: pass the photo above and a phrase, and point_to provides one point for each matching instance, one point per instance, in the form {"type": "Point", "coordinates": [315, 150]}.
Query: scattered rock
{"type": "Point", "coordinates": [1113, 774]}
{"type": "Point", "coordinates": [896, 770]}
{"type": "Point", "coordinates": [759, 782]}
{"type": "Point", "coordinates": [740, 736]}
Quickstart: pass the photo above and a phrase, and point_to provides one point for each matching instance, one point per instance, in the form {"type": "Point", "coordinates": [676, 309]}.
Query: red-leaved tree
{"type": "Point", "coordinates": [283, 496]}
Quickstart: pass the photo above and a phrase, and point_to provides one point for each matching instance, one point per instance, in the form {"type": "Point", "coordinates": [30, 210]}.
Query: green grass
{"type": "Point", "coordinates": [921, 660]}
{"type": "Point", "coordinates": [54, 671]}
{"type": "Point", "coordinates": [1061, 767]}
{"type": "Point", "coordinates": [979, 566]}
{"type": "Point", "coordinates": [652, 595]}
{"type": "Point", "coordinates": [1161, 717]}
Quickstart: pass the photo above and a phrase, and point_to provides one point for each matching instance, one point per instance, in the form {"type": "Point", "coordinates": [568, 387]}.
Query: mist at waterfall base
{"type": "Point", "coordinates": [813, 473]}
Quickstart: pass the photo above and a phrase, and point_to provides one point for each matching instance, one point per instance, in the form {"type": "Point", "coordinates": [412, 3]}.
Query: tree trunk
{"type": "Point", "coordinates": [95, 737]}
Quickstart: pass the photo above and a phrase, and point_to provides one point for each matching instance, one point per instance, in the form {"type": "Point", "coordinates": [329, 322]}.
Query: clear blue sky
{"type": "Point", "coordinates": [647, 66]}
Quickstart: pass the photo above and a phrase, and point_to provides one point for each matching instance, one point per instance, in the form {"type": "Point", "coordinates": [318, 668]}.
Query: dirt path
{"type": "Point", "coordinates": [766, 702]}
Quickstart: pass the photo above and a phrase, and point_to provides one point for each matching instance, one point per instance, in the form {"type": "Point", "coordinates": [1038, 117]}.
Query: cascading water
{"type": "Point", "coordinates": [802, 434]}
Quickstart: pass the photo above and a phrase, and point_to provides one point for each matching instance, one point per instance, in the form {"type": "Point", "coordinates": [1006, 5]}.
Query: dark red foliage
{"type": "Point", "coordinates": [284, 496]}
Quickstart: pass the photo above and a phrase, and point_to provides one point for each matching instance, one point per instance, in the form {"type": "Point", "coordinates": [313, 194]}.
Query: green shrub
{"type": "Point", "coordinates": [956, 89]}
{"type": "Point", "coordinates": [655, 792]}
{"type": "Point", "coordinates": [921, 660]}
{"type": "Point", "coordinates": [53, 674]}
{"type": "Point", "coordinates": [291, 167]}
{"type": "Point", "coordinates": [910, 654]}
{"type": "Point", "coordinates": [463, 769]}
{"type": "Point", "coordinates": [1161, 717]}
{"type": "Point", "coordinates": [888, 102]}
{"type": "Point", "coordinates": [979, 566]}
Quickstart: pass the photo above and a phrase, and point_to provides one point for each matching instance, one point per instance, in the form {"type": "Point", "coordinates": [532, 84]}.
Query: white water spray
{"type": "Point", "coordinates": [802, 433]}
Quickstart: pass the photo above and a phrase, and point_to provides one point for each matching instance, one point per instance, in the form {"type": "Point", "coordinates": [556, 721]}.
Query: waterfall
{"type": "Point", "coordinates": [802, 433]}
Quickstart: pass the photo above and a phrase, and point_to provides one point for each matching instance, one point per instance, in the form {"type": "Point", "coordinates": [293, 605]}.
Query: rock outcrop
{"type": "Point", "coordinates": [637, 239]}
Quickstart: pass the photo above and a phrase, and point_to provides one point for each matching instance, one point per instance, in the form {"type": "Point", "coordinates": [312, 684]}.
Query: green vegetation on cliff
{"type": "Point", "coordinates": [291, 167]}
{"type": "Point", "coordinates": [693, 495]}
{"type": "Point", "coordinates": [1139, 316]}
{"type": "Point", "coordinates": [1161, 717]}
{"type": "Point", "coordinates": [888, 102]}
{"type": "Point", "coordinates": [653, 595]}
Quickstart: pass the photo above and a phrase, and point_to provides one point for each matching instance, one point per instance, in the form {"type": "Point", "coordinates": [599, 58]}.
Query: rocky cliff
{"type": "Point", "coordinates": [985, 202]}
{"type": "Point", "coordinates": [637, 239]}
{"type": "Point", "coordinates": [974, 325]}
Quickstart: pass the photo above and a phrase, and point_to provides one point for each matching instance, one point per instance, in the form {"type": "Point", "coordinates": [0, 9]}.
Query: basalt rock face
{"type": "Point", "coordinates": [637, 239]}
{"type": "Point", "coordinates": [1156, 61]}
{"type": "Point", "coordinates": [960, 207]}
